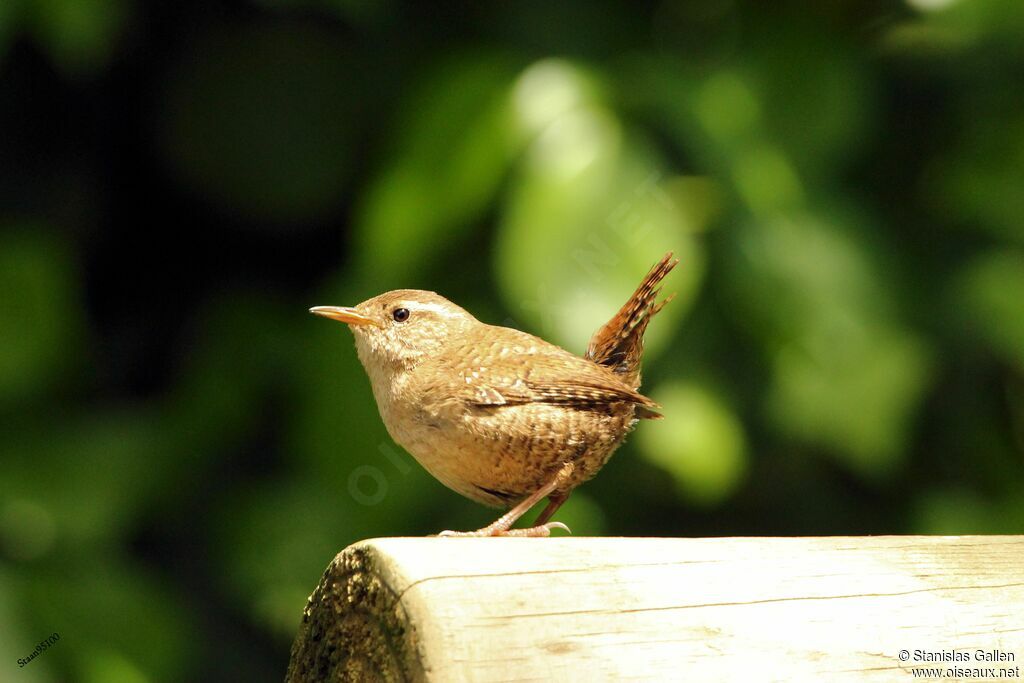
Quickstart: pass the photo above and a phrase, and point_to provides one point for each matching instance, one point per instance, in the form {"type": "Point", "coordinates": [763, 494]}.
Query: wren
{"type": "Point", "coordinates": [498, 415]}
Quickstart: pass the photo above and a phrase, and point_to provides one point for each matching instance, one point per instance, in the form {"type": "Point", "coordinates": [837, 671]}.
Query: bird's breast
{"type": "Point", "coordinates": [497, 455]}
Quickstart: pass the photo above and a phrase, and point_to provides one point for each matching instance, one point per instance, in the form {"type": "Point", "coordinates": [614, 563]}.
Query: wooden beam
{"type": "Point", "coordinates": [715, 609]}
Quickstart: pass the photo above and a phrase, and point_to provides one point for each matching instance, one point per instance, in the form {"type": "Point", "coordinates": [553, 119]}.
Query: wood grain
{"type": "Point", "coordinates": [656, 609]}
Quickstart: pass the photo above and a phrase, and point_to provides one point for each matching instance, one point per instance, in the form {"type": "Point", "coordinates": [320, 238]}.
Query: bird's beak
{"type": "Point", "coordinates": [345, 314]}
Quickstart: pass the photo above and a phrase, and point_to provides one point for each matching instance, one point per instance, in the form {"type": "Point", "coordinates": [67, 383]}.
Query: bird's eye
{"type": "Point", "coordinates": [400, 314]}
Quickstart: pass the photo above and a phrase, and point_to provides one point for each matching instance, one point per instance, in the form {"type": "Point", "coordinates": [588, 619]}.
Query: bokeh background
{"type": "Point", "coordinates": [183, 448]}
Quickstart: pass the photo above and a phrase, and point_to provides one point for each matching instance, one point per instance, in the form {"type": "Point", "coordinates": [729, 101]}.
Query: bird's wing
{"type": "Point", "coordinates": [538, 373]}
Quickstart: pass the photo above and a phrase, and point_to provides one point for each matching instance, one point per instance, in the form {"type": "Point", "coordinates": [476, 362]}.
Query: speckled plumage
{"type": "Point", "coordinates": [494, 412]}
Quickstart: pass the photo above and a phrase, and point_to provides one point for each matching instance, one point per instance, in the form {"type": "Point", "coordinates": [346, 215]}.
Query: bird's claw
{"type": "Point", "coordinates": [541, 531]}
{"type": "Point", "coordinates": [450, 533]}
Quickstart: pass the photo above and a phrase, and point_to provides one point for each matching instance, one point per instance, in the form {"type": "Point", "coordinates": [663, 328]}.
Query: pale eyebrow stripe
{"type": "Point", "coordinates": [434, 308]}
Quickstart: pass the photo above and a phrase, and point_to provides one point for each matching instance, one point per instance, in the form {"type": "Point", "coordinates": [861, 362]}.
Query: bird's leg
{"type": "Point", "coordinates": [502, 525]}
{"type": "Point", "coordinates": [555, 501]}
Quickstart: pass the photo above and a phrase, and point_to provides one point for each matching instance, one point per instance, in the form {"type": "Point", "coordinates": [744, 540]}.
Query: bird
{"type": "Point", "coordinates": [496, 414]}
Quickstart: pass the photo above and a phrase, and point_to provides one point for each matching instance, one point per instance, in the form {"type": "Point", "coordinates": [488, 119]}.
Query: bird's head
{"type": "Point", "coordinates": [397, 329]}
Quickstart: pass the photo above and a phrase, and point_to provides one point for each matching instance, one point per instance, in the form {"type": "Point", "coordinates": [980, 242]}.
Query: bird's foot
{"type": "Point", "coordinates": [540, 531]}
{"type": "Point", "coordinates": [502, 525]}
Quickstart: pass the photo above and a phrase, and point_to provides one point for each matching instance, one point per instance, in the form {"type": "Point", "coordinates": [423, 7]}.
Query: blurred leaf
{"type": "Point", "coordinates": [10, 15]}
{"type": "Point", "coordinates": [699, 201]}
{"type": "Point", "coordinates": [80, 35]}
{"type": "Point", "coordinates": [852, 388]}
{"type": "Point", "coordinates": [40, 316]}
{"type": "Point", "coordinates": [845, 373]}
{"type": "Point", "coordinates": [980, 180]}
{"type": "Point", "coordinates": [819, 118]}
{"type": "Point", "coordinates": [991, 290]}
{"type": "Point", "coordinates": [728, 110]}
{"type": "Point", "coordinates": [261, 120]}
{"type": "Point", "coordinates": [27, 529]}
{"type": "Point", "coordinates": [957, 510]}
{"type": "Point", "coordinates": [791, 270]}
{"type": "Point", "coordinates": [727, 106]}
{"type": "Point", "coordinates": [455, 142]}
{"type": "Point", "coordinates": [242, 346]}
{"type": "Point", "coordinates": [988, 24]}
{"type": "Point", "coordinates": [587, 216]}
{"type": "Point", "coordinates": [113, 619]}
{"type": "Point", "coordinates": [104, 468]}
{"type": "Point", "coordinates": [701, 34]}
{"type": "Point", "coordinates": [360, 12]}
{"type": "Point", "coordinates": [275, 539]}
{"type": "Point", "coordinates": [701, 442]}
{"type": "Point", "coordinates": [551, 88]}
{"type": "Point", "coordinates": [766, 180]}
{"type": "Point", "coordinates": [749, 120]}
{"type": "Point", "coordinates": [20, 638]}
{"type": "Point", "coordinates": [107, 666]}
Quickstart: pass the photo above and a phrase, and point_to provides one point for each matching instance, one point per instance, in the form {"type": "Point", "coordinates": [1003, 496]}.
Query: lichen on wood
{"type": "Point", "coordinates": [353, 627]}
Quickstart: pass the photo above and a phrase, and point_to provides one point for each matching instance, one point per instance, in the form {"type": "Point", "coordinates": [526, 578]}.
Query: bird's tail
{"type": "Point", "coordinates": [620, 342]}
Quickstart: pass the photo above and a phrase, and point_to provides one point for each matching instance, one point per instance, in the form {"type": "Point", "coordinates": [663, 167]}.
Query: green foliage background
{"type": "Point", "coordinates": [183, 448]}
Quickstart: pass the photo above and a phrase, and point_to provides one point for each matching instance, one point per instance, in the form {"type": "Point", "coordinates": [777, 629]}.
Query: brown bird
{"type": "Point", "coordinates": [498, 415]}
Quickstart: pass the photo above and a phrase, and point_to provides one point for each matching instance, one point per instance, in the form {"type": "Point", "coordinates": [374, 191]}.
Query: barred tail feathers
{"type": "Point", "coordinates": [619, 343]}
